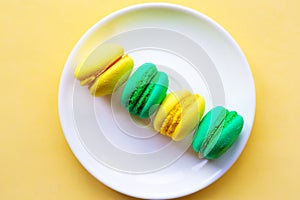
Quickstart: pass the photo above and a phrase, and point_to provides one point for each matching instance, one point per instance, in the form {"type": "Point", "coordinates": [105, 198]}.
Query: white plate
{"type": "Point", "coordinates": [125, 153]}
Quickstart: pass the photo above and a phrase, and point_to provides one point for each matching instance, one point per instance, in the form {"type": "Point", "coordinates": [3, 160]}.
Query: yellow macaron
{"type": "Point", "coordinates": [179, 114]}
{"type": "Point", "coordinates": [104, 69]}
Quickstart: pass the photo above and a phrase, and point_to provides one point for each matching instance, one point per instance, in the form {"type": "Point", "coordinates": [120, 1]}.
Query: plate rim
{"type": "Point", "coordinates": [131, 8]}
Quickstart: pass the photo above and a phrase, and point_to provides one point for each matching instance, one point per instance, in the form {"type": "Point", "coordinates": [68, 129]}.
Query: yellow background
{"type": "Point", "coordinates": [35, 40]}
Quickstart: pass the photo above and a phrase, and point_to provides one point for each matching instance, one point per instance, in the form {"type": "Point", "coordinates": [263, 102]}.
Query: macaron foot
{"type": "Point", "coordinates": [201, 156]}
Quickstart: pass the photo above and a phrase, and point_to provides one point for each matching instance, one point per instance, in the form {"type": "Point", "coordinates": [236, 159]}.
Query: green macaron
{"type": "Point", "coordinates": [145, 90]}
{"type": "Point", "coordinates": [216, 133]}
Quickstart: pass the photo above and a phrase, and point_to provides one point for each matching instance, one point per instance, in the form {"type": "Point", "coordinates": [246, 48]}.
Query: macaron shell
{"type": "Point", "coordinates": [155, 95]}
{"type": "Point", "coordinates": [113, 77]}
{"type": "Point", "coordinates": [100, 58]}
{"type": "Point", "coordinates": [167, 105]}
{"type": "Point", "coordinates": [191, 112]}
{"type": "Point", "coordinates": [226, 139]}
{"type": "Point", "coordinates": [136, 84]}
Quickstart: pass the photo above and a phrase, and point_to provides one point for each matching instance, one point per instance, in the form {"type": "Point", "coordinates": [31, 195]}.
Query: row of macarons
{"type": "Point", "coordinates": [178, 113]}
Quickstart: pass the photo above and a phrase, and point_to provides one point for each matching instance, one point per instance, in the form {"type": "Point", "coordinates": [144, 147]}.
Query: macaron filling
{"type": "Point", "coordinates": [175, 115]}
{"type": "Point", "coordinates": [172, 120]}
{"type": "Point", "coordinates": [112, 78]}
{"type": "Point", "coordinates": [139, 91]}
{"type": "Point", "coordinates": [138, 107]}
{"type": "Point", "coordinates": [91, 79]}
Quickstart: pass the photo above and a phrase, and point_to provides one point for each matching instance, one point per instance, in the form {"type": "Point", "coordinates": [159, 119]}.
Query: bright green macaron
{"type": "Point", "coordinates": [216, 133]}
{"type": "Point", "coordinates": [145, 90]}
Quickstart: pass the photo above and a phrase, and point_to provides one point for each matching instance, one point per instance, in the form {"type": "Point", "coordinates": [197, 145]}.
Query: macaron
{"type": "Point", "coordinates": [145, 90]}
{"type": "Point", "coordinates": [216, 133]}
{"type": "Point", "coordinates": [179, 114]}
{"type": "Point", "coordinates": [104, 69]}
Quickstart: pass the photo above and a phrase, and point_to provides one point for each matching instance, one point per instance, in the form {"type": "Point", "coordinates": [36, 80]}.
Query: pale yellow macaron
{"type": "Point", "coordinates": [179, 114]}
{"type": "Point", "coordinates": [104, 69]}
